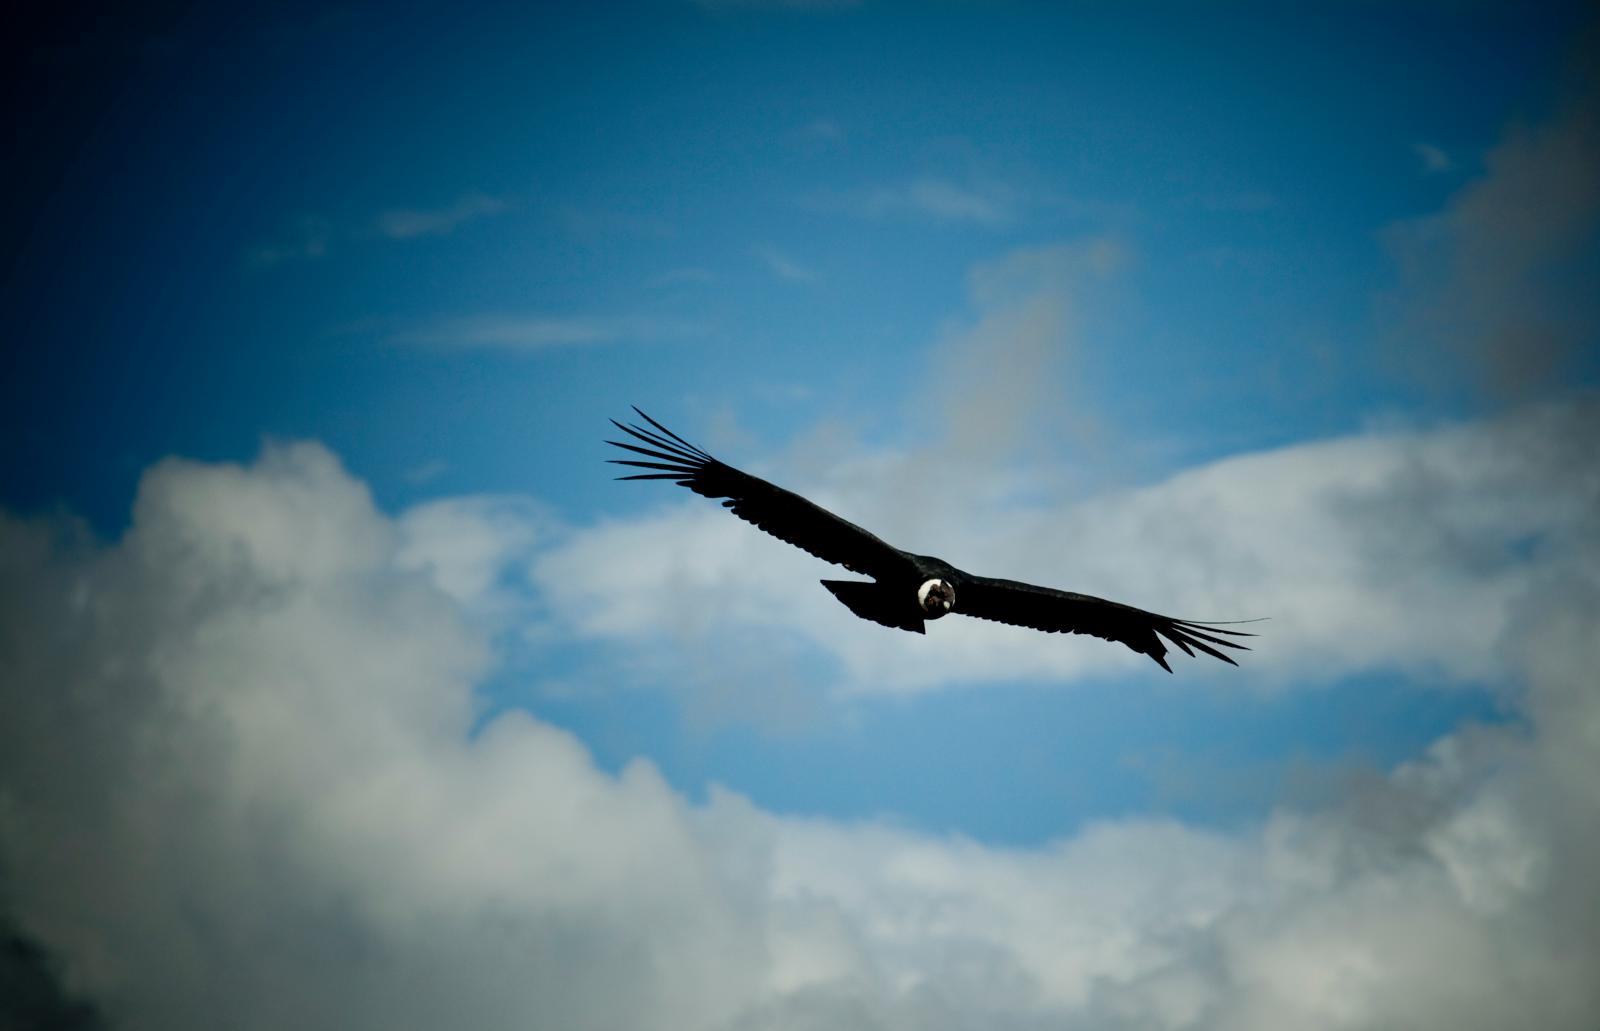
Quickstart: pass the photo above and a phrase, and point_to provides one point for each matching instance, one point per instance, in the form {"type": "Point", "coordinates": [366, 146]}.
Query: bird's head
{"type": "Point", "coordinates": [936, 598]}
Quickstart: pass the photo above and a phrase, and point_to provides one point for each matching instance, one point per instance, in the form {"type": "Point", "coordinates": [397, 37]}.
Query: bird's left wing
{"type": "Point", "coordinates": [1044, 608]}
{"type": "Point", "coordinates": [784, 514]}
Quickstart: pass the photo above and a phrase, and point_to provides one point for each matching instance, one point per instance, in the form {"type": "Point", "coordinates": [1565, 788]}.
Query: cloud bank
{"type": "Point", "coordinates": [239, 785]}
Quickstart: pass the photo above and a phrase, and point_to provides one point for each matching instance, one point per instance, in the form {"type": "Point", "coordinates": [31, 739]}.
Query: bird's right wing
{"type": "Point", "coordinates": [1053, 611]}
{"type": "Point", "coordinates": [784, 514]}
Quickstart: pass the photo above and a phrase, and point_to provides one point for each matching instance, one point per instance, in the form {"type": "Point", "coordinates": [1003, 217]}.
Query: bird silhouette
{"type": "Point", "coordinates": [907, 590]}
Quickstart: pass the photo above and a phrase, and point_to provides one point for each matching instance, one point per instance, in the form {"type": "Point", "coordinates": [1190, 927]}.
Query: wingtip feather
{"type": "Point", "coordinates": [669, 433]}
{"type": "Point", "coordinates": [664, 445]}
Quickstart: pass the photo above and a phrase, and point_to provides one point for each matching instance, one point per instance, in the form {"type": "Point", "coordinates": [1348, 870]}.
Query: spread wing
{"type": "Point", "coordinates": [784, 514]}
{"type": "Point", "coordinates": [1053, 611]}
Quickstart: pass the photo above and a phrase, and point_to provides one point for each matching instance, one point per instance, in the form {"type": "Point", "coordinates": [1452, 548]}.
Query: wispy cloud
{"type": "Point", "coordinates": [1433, 158]}
{"type": "Point", "coordinates": [541, 333]}
{"type": "Point", "coordinates": [783, 266]}
{"type": "Point", "coordinates": [817, 135]}
{"type": "Point", "coordinates": [425, 472]}
{"type": "Point", "coordinates": [1244, 202]}
{"type": "Point", "coordinates": [308, 238]}
{"type": "Point", "coordinates": [930, 197]}
{"type": "Point", "coordinates": [404, 224]}
{"type": "Point", "coordinates": [686, 275]}
{"type": "Point", "coordinates": [776, 5]}
{"type": "Point", "coordinates": [1501, 282]}
{"type": "Point", "coordinates": [313, 236]}
{"type": "Point", "coordinates": [590, 224]}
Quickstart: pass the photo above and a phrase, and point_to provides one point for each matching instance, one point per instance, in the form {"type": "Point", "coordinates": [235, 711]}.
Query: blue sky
{"type": "Point", "coordinates": [647, 175]}
{"type": "Point", "coordinates": [1229, 312]}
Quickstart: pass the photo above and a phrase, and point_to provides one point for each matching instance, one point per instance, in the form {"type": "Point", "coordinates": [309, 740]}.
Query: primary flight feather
{"type": "Point", "coordinates": [906, 589]}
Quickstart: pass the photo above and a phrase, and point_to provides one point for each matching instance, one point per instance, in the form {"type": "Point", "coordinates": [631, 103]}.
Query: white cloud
{"type": "Point", "coordinates": [469, 547]}
{"type": "Point", "coordinates": [403, 224]}
{"type": "Point", "coordinates": [237, 788]}
{"type": "Point", "coordinates": [303, 834]}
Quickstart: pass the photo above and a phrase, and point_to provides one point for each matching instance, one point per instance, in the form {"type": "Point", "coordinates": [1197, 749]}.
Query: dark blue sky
{"type": "Point", "coordinates": [155, 154]}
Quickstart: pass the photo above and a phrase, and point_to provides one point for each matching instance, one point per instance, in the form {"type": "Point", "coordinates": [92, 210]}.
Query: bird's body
{"type": "Point", "coordinates": [923, 590]}
{"type": "Point", "coordinates": [907, 590]}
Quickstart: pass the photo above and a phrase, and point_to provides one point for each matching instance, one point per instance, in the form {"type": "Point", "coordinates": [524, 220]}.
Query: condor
{"type": "Point", "coordinates": [906, 590]}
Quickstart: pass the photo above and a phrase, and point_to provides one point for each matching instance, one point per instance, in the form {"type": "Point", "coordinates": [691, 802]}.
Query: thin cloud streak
{"type": "Point", "coordinates": [927, 197]}
{"type": "Point", "coordinates": [782, 265]}
{"type": "Point", "coordinates": [794, 6]}
{"type": "Point", "coordinates": [1434, 158]}
{"type": "Point", "coordinates": [541, 333]}
{"type": "Point", "coordinates": [818, 135]}
{"type": "Point", "coordinates": [404, 224]}
{"type": "Point", "coordinates": [687, 275]}
{"type": "Point", "coordinates": [310, 239]}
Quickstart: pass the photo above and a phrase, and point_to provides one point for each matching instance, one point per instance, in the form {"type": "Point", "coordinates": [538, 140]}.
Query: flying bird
{"type": "Point", "coordinates": [906, 590]}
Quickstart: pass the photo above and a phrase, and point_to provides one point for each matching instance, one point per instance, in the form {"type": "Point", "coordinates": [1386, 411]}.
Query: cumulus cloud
{"type": "Point", "coordinates": [239, 787]}
{"type": "Point", "coordinates": [472, 547]}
